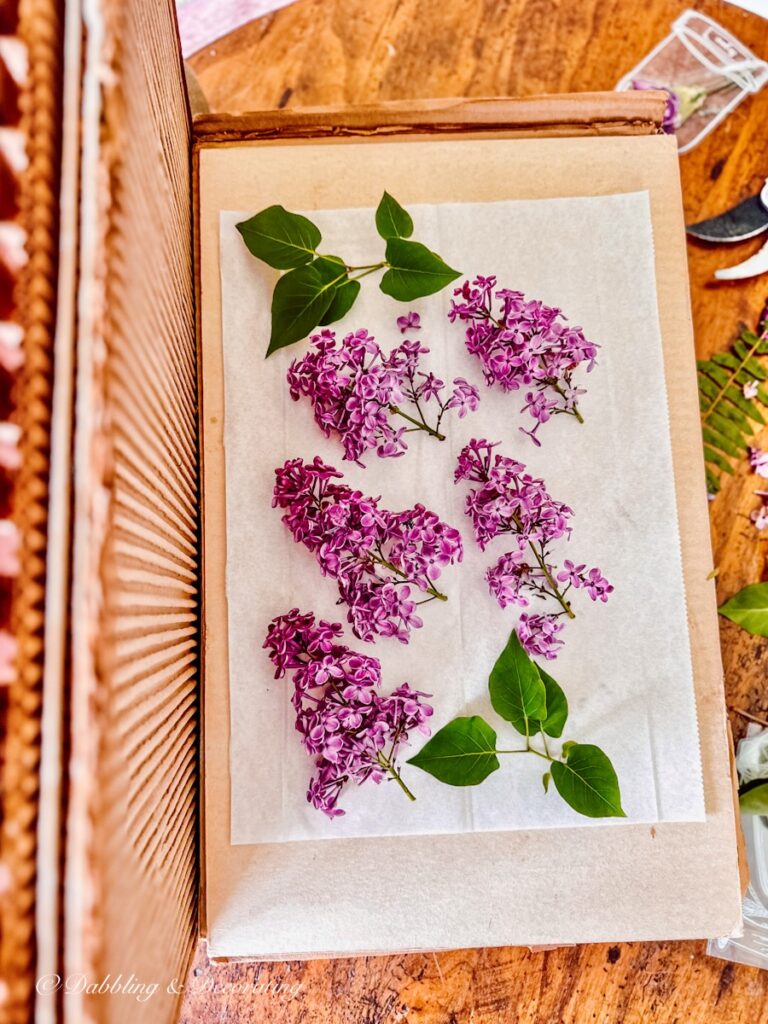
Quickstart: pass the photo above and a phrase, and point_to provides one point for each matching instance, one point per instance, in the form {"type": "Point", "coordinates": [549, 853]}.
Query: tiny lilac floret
{"type": "Point", "coordinates": [353, 732]}
{"type": "Point", "coordinates": [385, 563]}
{"type": "Point", "coordinates": [524, 345]}
{"type": "Point", "coordinates": [758, 460]}
{"type": "Point", "coordinates": [410, 322]}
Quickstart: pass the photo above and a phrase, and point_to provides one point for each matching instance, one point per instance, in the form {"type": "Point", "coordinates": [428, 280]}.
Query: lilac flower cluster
{"type": "Point", "coordinates": [509, 501]}
{"type": "Point", "coordinates": [376, 557]}
{"type": "Point", "coordinates": [524, 344]}
{"type": "Point", "coordinates": [353, 732]}
{"type": "Point", "coordinates": [355, 389]}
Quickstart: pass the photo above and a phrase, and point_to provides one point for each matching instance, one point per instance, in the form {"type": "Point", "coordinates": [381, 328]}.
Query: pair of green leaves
{"type": "Point", "coordinates": [465, 751]}
{"type": "Point", "coordinates": [317, 290]}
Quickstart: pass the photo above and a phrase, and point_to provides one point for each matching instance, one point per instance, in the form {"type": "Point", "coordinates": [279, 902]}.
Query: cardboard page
{"type": "Point", "coordinates": [486, 888]}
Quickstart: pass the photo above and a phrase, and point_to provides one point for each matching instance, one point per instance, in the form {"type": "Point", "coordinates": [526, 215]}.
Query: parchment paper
{"type": "Point", "coordinates": [626, 666]}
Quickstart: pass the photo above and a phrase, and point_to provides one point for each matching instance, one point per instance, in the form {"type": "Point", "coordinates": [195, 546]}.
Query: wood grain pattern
{"type": "Point", "coordinates": [320, 52]}
{"type": "Point", "coordinates": [130, 860]}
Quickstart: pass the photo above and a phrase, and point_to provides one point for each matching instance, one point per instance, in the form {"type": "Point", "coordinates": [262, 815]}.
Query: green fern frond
{"type": "Point", "coordinates": [729, 419]}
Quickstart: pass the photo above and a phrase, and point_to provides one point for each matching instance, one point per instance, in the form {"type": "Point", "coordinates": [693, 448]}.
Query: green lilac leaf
{"type": "Point", "coordinates": [282, 239]}
{"type": "Point", "coordinates": [462, 753]}
{"type": "Point", "coordinates": [341, 303]}
{"type": "Point", "coordinates": [749, 609]}
{"type": "Point", "coordinates": [301, 299]}
{"type": "Point", "coordinates": [546, 778]}
{"type": "Point", "coordinates": [586, 780]}
{"type": "Point", "coordinates": [557, 707]}
{"type": "Point", "coordinates": [392, 221]}
{"type": "Point", "coordinates": [517, 690]}
{"type": "Point", "coordinates": [414, 271]}
{"type": "Point", "coordinates": [754, 799]}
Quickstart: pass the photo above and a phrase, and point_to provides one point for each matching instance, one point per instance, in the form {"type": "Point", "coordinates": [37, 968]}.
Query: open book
{"type": "Point", "coordinates": [592, 225]}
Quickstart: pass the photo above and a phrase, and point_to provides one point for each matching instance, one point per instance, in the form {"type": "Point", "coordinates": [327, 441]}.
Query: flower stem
{"type": "Point", "coordinates": [575, 410]}
{"type": "Point", "coordinates": [550, 579]}
{"type": "Point", "coordinates": [555, 590]}
{"type": "Point", "coordinates": [395, 774]}
{"type": "Point", "coordinates": [421, 426]}
{"type": "Point", "coordinates": [402, 575]}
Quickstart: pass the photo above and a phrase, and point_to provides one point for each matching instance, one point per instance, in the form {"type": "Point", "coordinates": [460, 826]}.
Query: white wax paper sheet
{"type": "Point", "coordinates": [626, 665]}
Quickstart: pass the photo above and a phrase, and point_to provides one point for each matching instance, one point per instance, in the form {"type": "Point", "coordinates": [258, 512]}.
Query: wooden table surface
{"type": "Point", "coordinates": [359, 51]}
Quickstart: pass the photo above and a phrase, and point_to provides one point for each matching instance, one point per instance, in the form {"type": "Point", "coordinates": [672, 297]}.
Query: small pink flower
{"type": "Point", "coordinates": [410, 322]}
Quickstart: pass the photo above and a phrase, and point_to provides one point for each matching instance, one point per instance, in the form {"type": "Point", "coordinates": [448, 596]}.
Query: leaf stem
{"type": "Point", "coordinates": [371, 269]}
{"type": "Point", "coordinates": [529, 750]}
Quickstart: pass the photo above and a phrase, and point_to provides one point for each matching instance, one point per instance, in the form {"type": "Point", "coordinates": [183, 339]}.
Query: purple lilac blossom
{"type": "Point", "coordinates": [382, 561]}
{"type": "Point", "coordinates": [508, 501]}
{"type": "Point", "coordinates": [355, 389]}
{"type": "Point", "coordinates": [524, 344]}
{"type": "Point", "coordinates": [353, 732]}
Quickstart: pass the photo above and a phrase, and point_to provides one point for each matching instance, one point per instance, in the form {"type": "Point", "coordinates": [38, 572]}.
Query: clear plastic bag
{"type": "Point", "coordinates": [751, 947]}
{"type": "Point", "coordinates": [705, 70]}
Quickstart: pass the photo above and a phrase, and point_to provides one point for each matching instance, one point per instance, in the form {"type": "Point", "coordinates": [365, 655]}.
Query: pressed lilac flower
{"type": "Point", "coordinates": [539, 635]}
{"type": "Point", "coordinates": [508, 501]}
{"type": "Point", "coordinates": [750, 389]}
{"type": "Point", "coordinates": [410, 322]}
{"type": "Point", "coordinates": [758, 460]}
{"type": "Point", "coordinates": [524, 344]}
{"type": "Point", "coordinates": [382, 561]}
{"type": "Point", "coordinates": [355, 388]}
{"type": "Point", "coordinates": [353, 732]}
{"type": "Point", "coordinates": [508, 579]}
